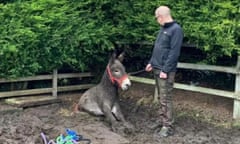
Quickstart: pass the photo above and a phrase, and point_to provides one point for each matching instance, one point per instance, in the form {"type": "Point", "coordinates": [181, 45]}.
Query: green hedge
{"type": "Point", "coordinates": [37, 36]}
{"type": "Point", "coordinates": [213, 26]}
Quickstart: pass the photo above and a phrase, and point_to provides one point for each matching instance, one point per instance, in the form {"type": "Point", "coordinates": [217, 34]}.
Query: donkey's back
{"type": "Point", "coordinates": [89, 103]}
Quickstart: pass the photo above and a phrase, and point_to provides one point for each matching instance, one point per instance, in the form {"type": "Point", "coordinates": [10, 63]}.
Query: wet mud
{"type": "Point", "coordinates": [198, 120]}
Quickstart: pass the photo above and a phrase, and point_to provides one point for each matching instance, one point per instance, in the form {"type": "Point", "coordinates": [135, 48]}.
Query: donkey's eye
{"type": "Point", "coordinates": [117, 71]}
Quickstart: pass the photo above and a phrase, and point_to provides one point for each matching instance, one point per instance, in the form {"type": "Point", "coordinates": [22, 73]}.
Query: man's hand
{"type": "Point", "coordinates": [148, 68]}
{"type": "Point", "coordinates": [163, 75]}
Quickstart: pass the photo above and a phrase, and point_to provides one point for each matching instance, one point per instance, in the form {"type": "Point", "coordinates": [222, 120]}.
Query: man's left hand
{"type": "Point", "coordinates": [163, 75]}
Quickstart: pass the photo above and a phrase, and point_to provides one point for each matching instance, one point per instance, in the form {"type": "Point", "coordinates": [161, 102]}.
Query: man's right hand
{"type": "Point", "coordinates": [148, 68]}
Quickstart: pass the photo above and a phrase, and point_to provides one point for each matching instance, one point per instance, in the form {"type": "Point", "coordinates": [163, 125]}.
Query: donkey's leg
{"type": "Point", "coordinates": [116, 110]}
{"type": "Point", "coordinates": [108, 114]}
{"type": "Point", "coordinates": [110, 117]}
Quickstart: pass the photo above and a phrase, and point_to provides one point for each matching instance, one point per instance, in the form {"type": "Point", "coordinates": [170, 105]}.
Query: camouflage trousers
{"type": "Point", "coordinates": [165, 89]}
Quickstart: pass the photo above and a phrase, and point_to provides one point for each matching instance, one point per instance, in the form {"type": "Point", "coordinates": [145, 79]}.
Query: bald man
{"type": "Point", "coordinates": [163, 63]}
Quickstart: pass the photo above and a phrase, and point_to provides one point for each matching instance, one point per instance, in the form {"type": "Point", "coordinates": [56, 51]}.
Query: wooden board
{"type": "Point", "coordinates": [227, 94]}
{"type": "Point", "coordinates": [25, 92]}
{"type": "Point", "coordinates": [29, 101]}
{"type": "Point", "coordinates": [4, 108]}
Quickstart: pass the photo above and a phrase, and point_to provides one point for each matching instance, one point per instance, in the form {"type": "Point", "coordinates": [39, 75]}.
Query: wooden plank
{"type": "Point", "coordinates": [54, 82]}
{"type": "Point", "coordinates": [5, 108]}
{"type": "Point", "coordinates": [142, 80]}
{"type": "Point", "coordinates": [32, 101]}
{"type": "Point", "coordinates": [75, 87]}
{"type": "Point", "coordinates": [210, 91]}
{"type": "Point", "coordinates": [30, 78]}
{"type": "Point", "coordinates": [222, 93]}
{"type": "Point", "coordinates": [44, 90]}
{"type": "Point", "coordinates": [47, 77]}
{"type": "Point", "coordinates": [236, 109]}
{"type": "Point", "coordinates": [75, 75]}
{"type": "Point", "coordinates": [236, 104]}
{"type": "Point", "coordinates": [232, 70]}
{"type": "Point", "coordinates": [25, 92]}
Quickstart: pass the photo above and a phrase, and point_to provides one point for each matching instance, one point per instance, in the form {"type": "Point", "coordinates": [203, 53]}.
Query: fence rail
{"type": "Point", "coordinates": [235, 95]}
{"type": "Point", "coordinates": [54, 89]}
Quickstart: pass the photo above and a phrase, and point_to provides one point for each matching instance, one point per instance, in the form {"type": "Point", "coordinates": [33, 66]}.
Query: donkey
{"type": "Point", "coordinates": [103, 99]}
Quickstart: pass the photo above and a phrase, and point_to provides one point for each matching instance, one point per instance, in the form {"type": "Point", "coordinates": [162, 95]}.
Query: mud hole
{"type": "Point", "coordinates": [200, 119]}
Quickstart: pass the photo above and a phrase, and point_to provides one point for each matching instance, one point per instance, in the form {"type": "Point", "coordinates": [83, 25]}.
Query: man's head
{"type": "Point", "coordinates": [163, 15]}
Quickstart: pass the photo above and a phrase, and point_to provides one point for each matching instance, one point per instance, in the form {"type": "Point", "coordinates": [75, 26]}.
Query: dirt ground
{"type": "Point", "coordinates": [199, 119]}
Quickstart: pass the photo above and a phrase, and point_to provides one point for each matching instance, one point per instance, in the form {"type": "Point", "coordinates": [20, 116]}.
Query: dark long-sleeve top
{"type": "Point", "coordinates": [167, 48]}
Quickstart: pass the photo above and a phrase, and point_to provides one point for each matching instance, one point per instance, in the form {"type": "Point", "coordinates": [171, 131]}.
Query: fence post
{"type": "Point", "coordinates": [54, 82]}
{"type": "Point", "coordinates": [236, 104]}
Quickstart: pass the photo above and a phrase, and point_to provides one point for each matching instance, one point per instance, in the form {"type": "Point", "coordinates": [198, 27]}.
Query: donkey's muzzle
{"type": "Point", "coordinates": [125, 84]}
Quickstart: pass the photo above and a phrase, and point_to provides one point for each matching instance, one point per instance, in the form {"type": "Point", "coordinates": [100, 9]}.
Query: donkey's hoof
{"type": "Point", "coordinates": [129, 125]}
{"type": "Point", "coordinates": [123, 128]}
{"type": "Point", "coordinates": [118, 127]}
{"type": "Point", "coordinates": [129, 128]}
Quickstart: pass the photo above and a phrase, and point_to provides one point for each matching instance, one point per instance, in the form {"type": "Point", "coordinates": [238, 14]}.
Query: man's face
{"type": "Point", "coordinates": [159, 19]}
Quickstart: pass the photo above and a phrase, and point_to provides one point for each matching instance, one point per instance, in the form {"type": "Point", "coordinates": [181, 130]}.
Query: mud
{"type": "Point", "coordinates": [199, 119]}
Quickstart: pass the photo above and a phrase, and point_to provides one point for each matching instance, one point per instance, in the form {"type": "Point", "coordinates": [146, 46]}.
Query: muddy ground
{"type": "Point", "coordinates": [200, 119]}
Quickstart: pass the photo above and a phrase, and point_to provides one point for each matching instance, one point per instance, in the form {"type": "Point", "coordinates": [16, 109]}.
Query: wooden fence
{"type": "Point", "coordinates": [52, 90]}
{"type": "Point", "coordinates": [235, 95]}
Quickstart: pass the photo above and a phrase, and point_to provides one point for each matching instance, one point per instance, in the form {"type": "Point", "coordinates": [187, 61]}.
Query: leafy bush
{"type": "Point", "coordinates": [211, 25]}
{"type": "Point", "coordinates": [39, 35]}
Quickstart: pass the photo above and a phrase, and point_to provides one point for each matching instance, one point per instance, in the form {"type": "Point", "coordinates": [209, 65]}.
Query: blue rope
{"type": "Point", "coordinates": [71, 138]}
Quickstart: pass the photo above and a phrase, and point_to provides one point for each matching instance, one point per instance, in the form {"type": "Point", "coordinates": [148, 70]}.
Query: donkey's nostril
{"type": "Point", "coordinates": [128, 85]}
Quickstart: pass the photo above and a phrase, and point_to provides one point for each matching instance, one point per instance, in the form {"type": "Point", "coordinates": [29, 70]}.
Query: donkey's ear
{"type": "Point", "coordinates": [113, 57]}
{"type": "Point", "coordinates": [121, 56]}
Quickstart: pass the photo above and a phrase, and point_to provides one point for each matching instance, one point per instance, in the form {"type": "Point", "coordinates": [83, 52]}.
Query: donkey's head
{"type": "Point", "coordinates": [117, 73]}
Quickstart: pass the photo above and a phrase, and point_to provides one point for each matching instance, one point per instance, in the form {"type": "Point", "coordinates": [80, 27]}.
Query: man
{"type": "Point", "coordinates": [163, 62]}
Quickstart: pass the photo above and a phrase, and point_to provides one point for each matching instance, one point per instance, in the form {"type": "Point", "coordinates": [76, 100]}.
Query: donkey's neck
{"type": "Point", "coordinates": [107, 83]}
